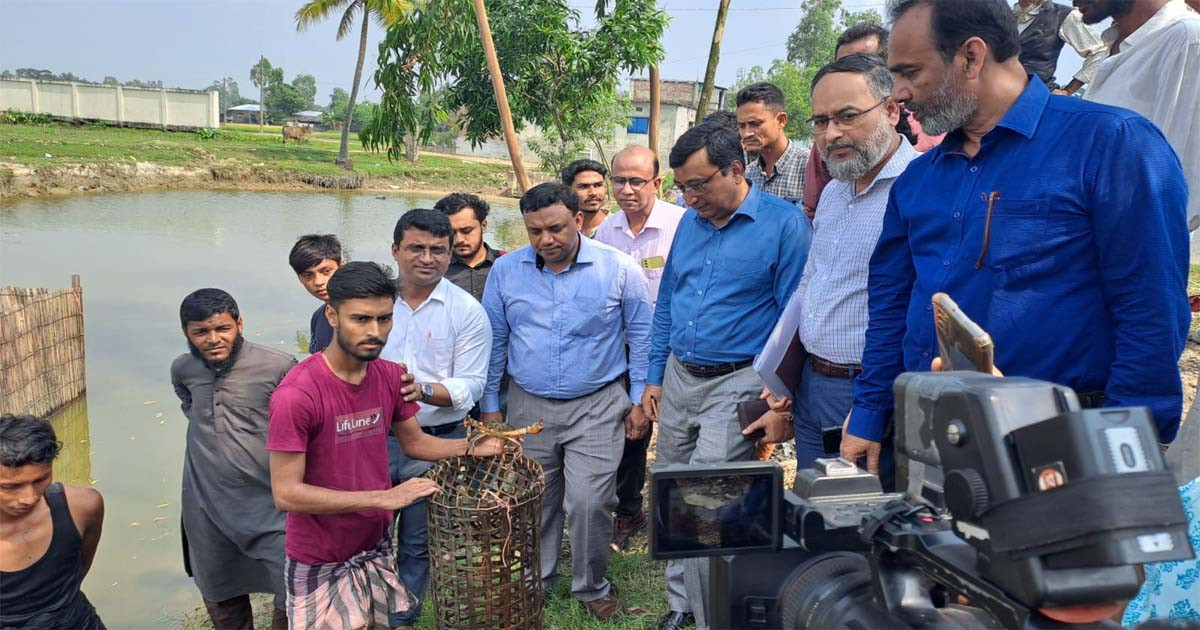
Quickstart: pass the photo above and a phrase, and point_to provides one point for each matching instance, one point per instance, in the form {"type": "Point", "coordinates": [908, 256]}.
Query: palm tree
{"type": "Point", "coordinates": [384, 11]}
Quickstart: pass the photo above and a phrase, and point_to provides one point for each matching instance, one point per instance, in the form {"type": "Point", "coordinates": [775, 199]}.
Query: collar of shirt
{"type": "Point", "coordinates": [438, 295]}
{"type": "Point", "coordinates": [748, 209]}
{"type": "Point", "coordinates": [584, 256]}
{"type": "Point", "coordinates": [790, 154]}
{"type": "Point", "coordinates": [656, 221]}
{"type": "Point", "coordinates": [895, 165]}
{"type": "Point", "coordinates": [1026, 14]}
{"type": "Point", "coordinates": [1023, 118]}
{"type": "Point", "coordinates": [1169, 12]}
{"type": "Point", "coordinates": [488, 259]}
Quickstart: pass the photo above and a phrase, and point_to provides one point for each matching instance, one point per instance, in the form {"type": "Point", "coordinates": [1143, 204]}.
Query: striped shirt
{"type": "Point", "coordinates": [833, 320]}
{"type": "Point", "coordinates": [787, 182]}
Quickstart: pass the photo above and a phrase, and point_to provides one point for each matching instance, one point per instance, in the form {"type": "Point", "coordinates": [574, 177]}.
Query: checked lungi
{"type": "Point", "coordinates": [357, 593]}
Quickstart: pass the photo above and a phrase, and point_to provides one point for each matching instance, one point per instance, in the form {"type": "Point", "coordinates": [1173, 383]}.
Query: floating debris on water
{"type": "Point", "coordinates": [158, 415]}
{"type": "Point", "coordinates": [93, 482]}
{"type": "Point", "coordinates": [135, 524]}
{"type": "Point", "coordinates": [159, 518]}
{"type": "Point", "coordinates": [149, 402]}
{"type": "Point", "coordinates": [163, 505]}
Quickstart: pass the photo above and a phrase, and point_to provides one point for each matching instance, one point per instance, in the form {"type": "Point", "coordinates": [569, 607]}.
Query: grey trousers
{"type": "Point", "coordinates": [579, 450]}
{"type": "Point", "coordinates": [697, 424]}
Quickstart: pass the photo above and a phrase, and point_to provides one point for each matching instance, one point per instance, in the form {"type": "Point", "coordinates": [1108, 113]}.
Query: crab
{"type": "Point", "coordinates": [477, 431]}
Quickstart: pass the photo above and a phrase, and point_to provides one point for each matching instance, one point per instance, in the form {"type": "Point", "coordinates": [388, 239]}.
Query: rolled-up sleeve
{"type": "Point", "coordinates": [889, 287]}
{"type": "Point", "coordinates": [1086, 42]}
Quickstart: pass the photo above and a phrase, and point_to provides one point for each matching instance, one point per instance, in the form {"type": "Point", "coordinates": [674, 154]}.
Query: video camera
{"type": "Point", "coordinates": [1014, 500]}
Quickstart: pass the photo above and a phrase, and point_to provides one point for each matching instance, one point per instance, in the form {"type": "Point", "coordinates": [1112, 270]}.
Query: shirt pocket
{"type": "Point", "coordinates": [596, 314]}
{"type": "Point", "coordinates": [743, 267]}
{"type": "Point", "coordinates": [1019, 232]}
{"type": "Point", "coordinates": [438, 356]}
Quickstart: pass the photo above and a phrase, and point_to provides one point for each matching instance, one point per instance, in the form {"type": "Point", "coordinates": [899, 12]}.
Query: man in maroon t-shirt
{"type": "Point", "coordinates": [329, 466]}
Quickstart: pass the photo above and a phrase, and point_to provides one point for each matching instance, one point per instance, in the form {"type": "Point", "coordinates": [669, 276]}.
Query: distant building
{"type": "Point", "coordinates": [310, 118]}
{"type": "Point", "coordinates": [246, 114]}
{"type": "Point", "coordinates": [678, 101]}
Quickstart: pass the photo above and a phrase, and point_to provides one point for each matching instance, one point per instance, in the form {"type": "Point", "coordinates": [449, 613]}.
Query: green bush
{"type": "Point", "coordinates": [14, 117]}
{"type": "Point", "coordinates": [206, 133]}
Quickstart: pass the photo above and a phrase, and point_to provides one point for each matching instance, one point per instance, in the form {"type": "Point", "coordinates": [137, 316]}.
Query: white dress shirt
{"type": "Point", "coordinates": [1075, 33]}
{"type": "Point", "coordinates": [833, 289]}
{"type": "Point", "coordinates": [646, 247]}
{"type": "Point", "coordinates": [1156, 73]}
{"type": "Point", "coordinates": [447, 340]}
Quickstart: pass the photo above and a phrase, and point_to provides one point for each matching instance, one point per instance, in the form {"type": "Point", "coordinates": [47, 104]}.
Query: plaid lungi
{"type": "Point", "coordinates": [357, 593]}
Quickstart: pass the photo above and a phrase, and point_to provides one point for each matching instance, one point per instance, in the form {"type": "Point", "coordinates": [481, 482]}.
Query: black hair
{"type": "Point", "coordinates": [580, 166]}
{"type": "Point", "coordinates": [311, 249]}
{"type": "Point", "coordinates": [872, 67]}
{"type": "Point", "coordinates": [723, 145]}
{"type": "Point", "coordinates": [766, 93]}
{"type": "Point", "coordinates": [201, 304]}
{"type": "Point", "coordinates": [904, 127]}
{"type": "Point", "coordinates": [26, 440]}
{"type": "Point", "coordinates": [863, 30]}
{"type": "Point", "coordinates": [724, 117]}
{"type": "Point", "coordinates": [359, 280]}
{"type": "Point", "coordinates": [453, 203]}
{"type": "Point", "coordinates": [548, 194]}
{"type": "Point", "coordinates": [426, 220]}
{"type": "Point", "coordinates": [955, 21]}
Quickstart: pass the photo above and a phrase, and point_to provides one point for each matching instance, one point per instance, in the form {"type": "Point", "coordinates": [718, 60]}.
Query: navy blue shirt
{"type": "Point", "coordinates": [320, 333]}
{"type": "Point", "coordinates": [1084, 281]}
{"type": "Point", "coordinates": [724, 288]}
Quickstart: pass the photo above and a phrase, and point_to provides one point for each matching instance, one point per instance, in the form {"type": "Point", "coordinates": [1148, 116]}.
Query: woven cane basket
{"type": "Point", "coordinates": [483, 543]}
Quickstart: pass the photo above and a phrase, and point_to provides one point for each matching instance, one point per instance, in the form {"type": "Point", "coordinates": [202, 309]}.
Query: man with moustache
{"type": "Point", "coordinates": [330, 419]}
{"type": "Point", "coordinates": [644, 229]}
{"type": "Point", "coordinates": [853, 121]}
{"type": "Point", "coordinates": [1044, 27]}
{"type": "Point", "coordinates": [473, 258]}
{"type": "Point", "coordinates": [1031, 215]}
{"type": "Point", "coordinates": [233, 534]}
{"type": "Point", "coordinates": [562, 310]}
{"type": "Point", "coordinates": [586, 178]}
{"type": "Point", "coordinates": [442, 335]}
{"type": "Point", "coordinates": [1152, 68]}
{"type": "Point", "coordinates": [777, 165]}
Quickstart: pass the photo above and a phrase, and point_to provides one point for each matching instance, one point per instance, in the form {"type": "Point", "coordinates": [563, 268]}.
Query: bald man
{"type": "Point", "coordinates": [644, 229]}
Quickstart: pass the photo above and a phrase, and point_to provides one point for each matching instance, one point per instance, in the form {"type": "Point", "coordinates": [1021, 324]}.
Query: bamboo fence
{"type": "Point", "coordinates": [41, 349]}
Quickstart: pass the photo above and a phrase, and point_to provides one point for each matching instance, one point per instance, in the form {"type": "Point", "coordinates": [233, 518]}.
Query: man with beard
{"type": "Point", "coordinates": [442, 335]}
{"type": "Point", "coordinates": [473, 258]}
{"type": "Point", "coordinates": [644, 229]}
{"type": "Point", "coordinates": [1045, 26]}
{"type": "Point", "coordinates": [233, 535]}
{"type": "Point", "coordinates": [777, 165]}
{"type": "Point", "coordinates": [587, 179]}
{"type": "Point", "coordinates": [329, 466]}
{"type": "Point", "coordinates": [562, 310]}
{"type": "Point", "coordinates": [1031, 215]}
{"type": "Point", "coordinates": [853, 121]}
{"type": "Point", "coordinates": [1153, 69]}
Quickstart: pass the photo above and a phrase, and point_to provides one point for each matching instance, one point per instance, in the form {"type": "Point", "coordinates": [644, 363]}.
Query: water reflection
{"type": "Point", "coordinates": [138, 255]}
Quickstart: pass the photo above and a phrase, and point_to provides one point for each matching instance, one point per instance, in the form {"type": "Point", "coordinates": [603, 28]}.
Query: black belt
{"type": "Point", "coordinates": [1091, 400]}
{"type": "Point", "coordinates": [713, 371]}
{"type": "Point", "coordinates": [833, 370]}
{"type": "Point", "coordinates": [442, 429]}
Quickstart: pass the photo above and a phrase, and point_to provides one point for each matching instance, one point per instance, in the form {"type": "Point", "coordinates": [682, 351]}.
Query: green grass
{"type": "Point", "coordinates": [639, 582]}
{"type": "Point", "coordinates": [234, 147]}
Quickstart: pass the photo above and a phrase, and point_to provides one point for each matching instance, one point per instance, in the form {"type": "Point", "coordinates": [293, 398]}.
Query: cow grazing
{"type": "Point", "coordinates": [295, 133]}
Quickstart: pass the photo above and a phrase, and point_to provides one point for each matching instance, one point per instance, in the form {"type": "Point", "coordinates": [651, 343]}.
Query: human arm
{"type": "Point", "coordinates": [889, 288]}
{"type": "Point", "coordinates": [472, 351]}
{"type": "Point", "coordinates": [814, 182]}
{"type": "Point", "coordinates": [1138, 215]}
{"type": "Point", "coordinates": [418, 444]}
{"type": "Point", "coordinates": [493, 305]}
{"type": "Point", "coordinates": [181, 390]}
{"type": "Point", "coordinates": [636, 317]}
{"type": "Point", "coordinates": [794, 241]}
{"type": "Point", "coordinates": [1087, 44]}
{"type": "Point", "coordinates": [87, 511]}
{"type": "Point", "coordinates": [1175, 112]}
{"type": "Point", "coordinates": [660, 337]}
{"type": "Point", "coordinates": [293, 495]}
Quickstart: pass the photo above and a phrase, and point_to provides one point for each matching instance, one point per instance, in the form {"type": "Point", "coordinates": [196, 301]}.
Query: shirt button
{"type": "Point", "coordinates": [708, 262]}
{"type": "Point", "coordinates": [945, 263]}
{"type": "Point", "coordinates": [690, 354]}
{"type": "Point", "coordinates": [957, 214]}
{"type": "Point", "coordinates": [928, 307]}
{"type": "Point", "coordinates": [925, 354]}
{"type": "Point", "coordinates": [974, 169]}
{"type": "Point", "coordinates": [691, 324]}
{"type": "Point", "coordinates": [700, 293]}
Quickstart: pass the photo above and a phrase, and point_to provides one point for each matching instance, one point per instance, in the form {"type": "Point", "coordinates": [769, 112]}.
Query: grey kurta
{"type": "Point", "coordinates": [234, 533]}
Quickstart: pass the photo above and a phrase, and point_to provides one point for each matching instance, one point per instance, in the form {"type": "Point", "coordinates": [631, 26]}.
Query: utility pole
{"type": "Point", "coordinates": [262, 101]}
{"type": "Point", "coordinates": [493, 62]}
{"type": "Point", "coordinates": [714, 55]}
{"type": "Point", "coordinates": [655, 103]}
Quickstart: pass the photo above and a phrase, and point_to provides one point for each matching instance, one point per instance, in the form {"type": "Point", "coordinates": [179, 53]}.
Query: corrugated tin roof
{"type": "Point", "coordinates": [249, 107]}
{"type": "Point", "coordinates": [309, 114]}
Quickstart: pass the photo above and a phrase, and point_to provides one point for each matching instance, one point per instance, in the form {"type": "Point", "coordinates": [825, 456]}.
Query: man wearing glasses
{"type": "Point", "coordinates": [1071, 255]}
{"type": "Point", "coordinates": [644, 229]}
{"type": "Point", "coordinates": [854, 122]}
{"type": "Point", "coordinates": [442, 335]}
{"type": "Point", "coordinates": [737, 257]}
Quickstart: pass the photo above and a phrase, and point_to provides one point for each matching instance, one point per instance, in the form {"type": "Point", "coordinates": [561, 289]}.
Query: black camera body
{"type": "Point", "coordinates": [1014, 500]}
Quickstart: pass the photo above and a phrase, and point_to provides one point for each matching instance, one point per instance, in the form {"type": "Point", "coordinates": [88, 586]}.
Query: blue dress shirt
{"type": "Point", "coordinates": [1085, 275]}
{"type": "Point", "coordinates": [723, 289]}
{"type": "Point", "coordinates": [563, 335]}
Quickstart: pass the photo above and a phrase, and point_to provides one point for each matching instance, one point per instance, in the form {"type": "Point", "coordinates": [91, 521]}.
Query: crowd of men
{"type": "Point", "coordinates": [946, 159]}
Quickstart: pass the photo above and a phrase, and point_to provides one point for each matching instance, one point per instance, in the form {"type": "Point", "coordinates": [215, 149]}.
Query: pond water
{"type": "Point", "coordinates": [138, 255]}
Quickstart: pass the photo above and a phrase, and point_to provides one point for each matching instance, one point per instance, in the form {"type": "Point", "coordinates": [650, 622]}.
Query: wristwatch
{"type": "Point", "coordinates": [426, 392]}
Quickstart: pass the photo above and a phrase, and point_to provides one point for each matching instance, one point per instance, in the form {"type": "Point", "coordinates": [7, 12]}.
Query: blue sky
{"type": "Point", "coordinates": [190, 43]}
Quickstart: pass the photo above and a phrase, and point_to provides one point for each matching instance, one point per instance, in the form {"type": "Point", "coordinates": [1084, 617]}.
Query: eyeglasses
{"type": "Point", "coordinates": [636, 183]}
{"type": "Point", "coordinates": [697, 188]}
{"type": "Point", "coordinates": [844, 120]}
{"type": "Point", "coordinates": [417, 251]}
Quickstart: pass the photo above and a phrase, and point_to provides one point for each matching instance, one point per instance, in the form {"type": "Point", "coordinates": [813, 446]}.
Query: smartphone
{"type": "Point", "coordinates": [962, 344]}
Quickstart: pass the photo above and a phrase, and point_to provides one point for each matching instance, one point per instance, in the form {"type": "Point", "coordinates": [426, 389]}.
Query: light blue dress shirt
{"type": "Point", "coordinates": [563, 335]}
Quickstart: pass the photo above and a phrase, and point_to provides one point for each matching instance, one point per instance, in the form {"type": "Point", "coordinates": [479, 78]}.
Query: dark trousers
{"type": "Point", "coordinates": [631, 475]}
{"type": "Point", "coordinates": [235, 614]}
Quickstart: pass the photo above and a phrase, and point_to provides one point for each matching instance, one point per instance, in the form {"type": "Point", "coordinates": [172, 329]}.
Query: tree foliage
{"type": "Point", "coordinates": [559, 76]}
{"type": "Point", "coordinates": [306, 84]}
{"type": "Point", "coordinates": [227, 92]}
{"type": "Point", "coordinates": [809, 47]}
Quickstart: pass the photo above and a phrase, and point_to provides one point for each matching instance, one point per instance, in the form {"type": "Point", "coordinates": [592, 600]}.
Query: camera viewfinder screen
{"type": "Point", "coordinates": [714, 515]}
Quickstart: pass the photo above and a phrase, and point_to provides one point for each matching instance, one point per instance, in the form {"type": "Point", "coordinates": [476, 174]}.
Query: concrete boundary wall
{"type": "Point", "coordinates": [126, 106]}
